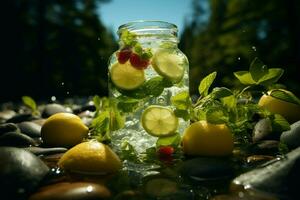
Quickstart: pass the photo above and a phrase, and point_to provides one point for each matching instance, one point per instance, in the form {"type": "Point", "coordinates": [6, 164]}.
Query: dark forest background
{"type": "Point", "coordinates": [61, 48]}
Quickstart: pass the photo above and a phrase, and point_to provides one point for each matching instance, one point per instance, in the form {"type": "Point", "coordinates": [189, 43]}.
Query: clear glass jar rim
{"type": "Point", "coordinates": [142, 26]}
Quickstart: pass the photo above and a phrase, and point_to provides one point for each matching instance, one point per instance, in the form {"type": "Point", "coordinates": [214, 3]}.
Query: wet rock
{"type": "Point", "coordinates": [52, 109]}
{"type": "Point", "coordinates": [20, 172]}
{"type": "Point", "coordinates": [280, 176]}
{"type": "Point", "coordinates": [266, 147]}
{"type": "Point", "coordinates": [39, 121]}
{"type": "Point", "coordinates": [263, 130]}
{"type": "Point", "coordinates": [81, 109]}
{"type": "Point", "coordinates": [46, 151]}
{"type": "Point", "coordinates": [258, 159]}
{"type": "Point", "coordinates": [7, 114]}
{"type": "Point", "coordinates": [31, 129]}
{"type": "Point", "coordinates": [160, 187]}
{"type": "Point", "coordinates": [205, 168]}
{"type": "Point", "coordinates": [15, 139]}
{"type": "Point", "coordinates": [246, 195]}
{"type": "Point", "coordinates": [72, 191]}
{"type": "Point", "coordinates": [20, 118]}
{"type": "Point", "coordinates": [292, 137]}
{"type": "Point", "coordinates": [8, 127]}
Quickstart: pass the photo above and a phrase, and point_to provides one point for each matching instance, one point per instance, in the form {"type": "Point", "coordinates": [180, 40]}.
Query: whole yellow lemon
{"type": "Point", "coordinates": [90, 157]}
{"type": "Point", "coordinates": [288, 110]}
{"type": "Point", "coordinates": [206, 139]}
{"type": "Point", "coordinates": [64, 130]}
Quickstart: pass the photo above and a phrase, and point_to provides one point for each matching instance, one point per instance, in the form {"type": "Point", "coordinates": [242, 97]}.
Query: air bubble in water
{"type": "Point", "coordinates": [254, 48]}
{"type": "Point", "coordinates": [53, 98]}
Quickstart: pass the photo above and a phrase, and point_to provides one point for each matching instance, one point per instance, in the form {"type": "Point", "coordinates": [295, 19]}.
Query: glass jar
{"type": "Point", "coordinates": [149, 84]}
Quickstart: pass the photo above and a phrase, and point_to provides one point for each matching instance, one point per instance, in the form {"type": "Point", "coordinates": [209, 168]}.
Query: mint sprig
{"type": "Point", "coordinates": [30, 103]}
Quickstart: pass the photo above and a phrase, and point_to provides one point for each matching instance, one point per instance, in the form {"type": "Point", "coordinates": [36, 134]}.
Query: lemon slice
{"type": "Point", "coordinates": [159, 121]}
{"type": "Point", "coordinates": [126, 77]}
{"type": "Point", "coordinates": [168, 65]}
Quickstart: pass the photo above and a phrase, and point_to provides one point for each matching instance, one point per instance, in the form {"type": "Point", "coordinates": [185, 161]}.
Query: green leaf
{"type": "Point", "coordinates": [206, 83]}
{"type": "Point", "coordinates": [100, 126]}
{"type": "Point", "coordinates": [216, 116]}
{"type": "Point", "coordinates": [230, 101]}
{"type": "Point", "coordinates": [153, 87]}
{"type": "Point", "coordinates": [285, 96]}
{"type": "Point", "coordinates": [257, 69]}
{"type": "Point", "coordinates": [271, 77]}
{"type": "Point", "coordinates": [173, 140]}
{"type": "Point", "coordinates": [128, 38]}
{"type": "Point", "coordinates": [283, 148]}
{"type": "Point", "coordinates": [244, 77]}
{"type": "Point", "coordinates": [128, 152]}
{"type": "Point", "coordinates": [127, 105]}
{"type": "Point", "coordinates": [97, 102]}
{"type": "Point", "coordinates": [117, 121]}
{"type": "Point", "coordinates": [184, 114]}
{"type": "Point", "coordinates": [221, 92]}
{"type": "Point", "coordinates": [279, 123]}
{"type": "Point", "coordinates": [29, 102]}
{"type": "Point", "coordinates": [181, 100]}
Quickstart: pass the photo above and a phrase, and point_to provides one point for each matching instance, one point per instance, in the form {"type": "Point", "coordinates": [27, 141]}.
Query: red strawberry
{"type": "Point", "coordinates": [124, 55]}
{"type": "Point", "coordinates": [137, 62]}
{"type": "Point", "coordinates": [165, 151]}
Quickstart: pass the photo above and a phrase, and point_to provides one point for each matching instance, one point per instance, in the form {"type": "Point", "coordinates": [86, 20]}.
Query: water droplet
{"type": "Point", "coordinates": [98, 38]}
{"type": "Point", "coordinates": [239, 58]}
{"type": "Point", "coordinates": [68, 92]}
{"type": "Point", "coordinates": [53, 98]}
{"type": "Point", "coordinates": [254, 48]}
{"type": "Point", "coordinates": [62, 83]}
{"type": "Point", "coordinates": [89, 188]}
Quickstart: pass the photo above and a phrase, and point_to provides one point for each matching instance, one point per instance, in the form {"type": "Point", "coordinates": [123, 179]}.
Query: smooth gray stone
{"type": "Point", "coordinates": [20, 172]}
{"type": "Point", "coordinates": [262, 130]}
{"type": "Point", "coordinates": [46, 151]}
{"type": "Point", "coordinates": [207, 168]}
{"type": "Point", "coordinates": [51, 109]}
{"type": "Point", "coordinates": [7, 114]}
{"type": "Point", "coordinates": [280, 176]}
{"type": "Point", "coordinates": [8, 127]}
{"type": "Point", "coordinates": [20, 118]}
{"type": "Point", "coordinates": [31, 129]}
{"type": "Point", "coordinates": [16, 140]}
{"type": "Point", "coordinates": [292, 137]}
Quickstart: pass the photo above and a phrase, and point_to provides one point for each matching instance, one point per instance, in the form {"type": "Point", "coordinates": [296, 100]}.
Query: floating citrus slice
{"type": "Point", "coordinates": [159, 121]}
{"type": "Point", "coordinates": [168, 65]}
{"type": "Point", "coordinates": [126, 77]}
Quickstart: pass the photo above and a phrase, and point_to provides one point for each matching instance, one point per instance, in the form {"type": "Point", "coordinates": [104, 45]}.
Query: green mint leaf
{"type": "Point", "coordinates": [271, 77]}
{"type": "Point", "coordinates": [244, 77]}
{"type": "Point", "coordinates": [279, 123]}
{"type": "Point", "coordinates": [216, 116]}
{"type": "Point", "coordinates": [147, 54]}
{"type": "Point", "coordinates": [184, 114]}
{"type": "Point", "coordinates": [257, 69]}
{"type": "Point", "coordinates": [221, 92]}
{"type": "Point", "coordinates": [138, 49]}
{"type": "Point", "coordinates": [285, 96]}
{"type": "Point", "coordinates": [117, 121]}
{"type": "Point", "coordinates": [97, 103]}
{"type": "Point", "coordinates": [128, 38]}
{"type": "Point", "coordinates": [153, 87]}
{"type": "Point", "coordinates": [206, 83]}
{"type": "Point", "coordinates": [181, 100]}
{"type": "Point", "coordinates": [29, 102]}
{"type": "Point", "coordinates": [100, 126]}
{"type": "Point", "coordinates": [229, 101]}
{"type": "Point", "coordinates": [128, 152]}
{"type": "Point", "coordinates": [127, 105]}
{"type": "Point", "coordinates": [173, 141]}
{"type": "Point", "coordinates": [283, 148]}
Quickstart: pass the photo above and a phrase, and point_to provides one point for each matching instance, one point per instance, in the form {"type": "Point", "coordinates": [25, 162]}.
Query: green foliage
{"type": "Point", "coordinates": [206, 83]}
{"type": "Point", "coordinates": [30, 103]}
{"type": "Point", "coordinates": [173, 141]}
{"type": "Point", "coordinates": [107, 118]}
{"type": "Point", "coordinates": [285, 96]}
{"type": "Point", "coordinates": [259, 74]}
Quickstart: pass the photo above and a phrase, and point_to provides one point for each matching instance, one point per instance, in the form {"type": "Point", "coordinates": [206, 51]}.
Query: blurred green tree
{"type": "Point", "coordinates": [56, 48]}
{"type": "Point", "coordinates": [226, 35]}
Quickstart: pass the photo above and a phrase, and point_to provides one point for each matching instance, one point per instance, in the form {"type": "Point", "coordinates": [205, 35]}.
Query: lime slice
{"type": "Point", "coordinates": [126, 77]}
{"type": "Point", "coordinates": [168, 65]}
{"type": "Point", "coordinates": [159, 121]}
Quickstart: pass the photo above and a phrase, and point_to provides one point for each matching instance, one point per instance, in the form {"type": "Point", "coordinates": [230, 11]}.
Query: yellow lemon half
{"type": "Point", "coordinates": [64, 130]}
{"type": "Point", "coordinates": [90, 157]}
{"type": "Point", "coordinates": [289, 111]}
{"type": "Point", "coordinates": [205, 139]}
